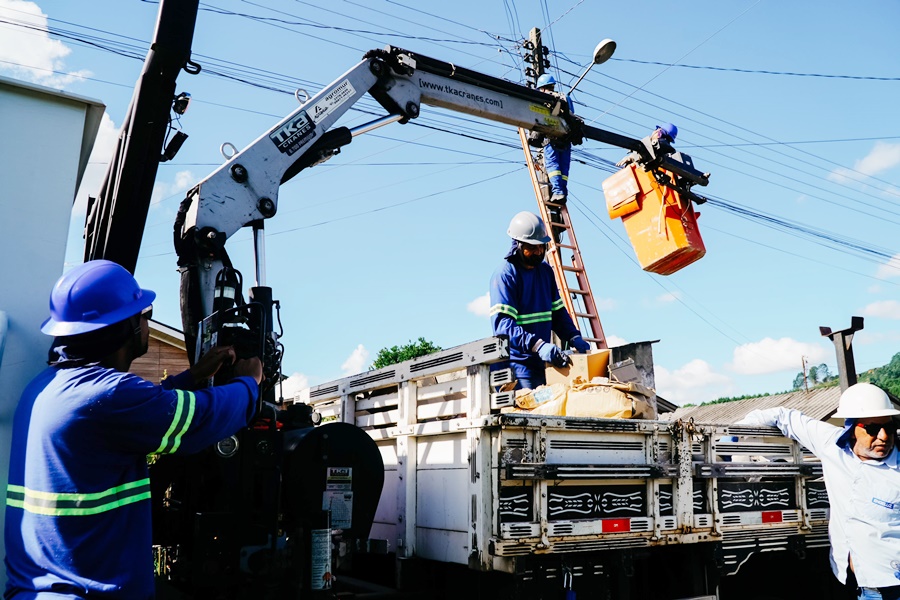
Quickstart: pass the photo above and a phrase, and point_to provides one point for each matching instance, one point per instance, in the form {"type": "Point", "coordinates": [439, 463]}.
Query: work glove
{"type": "Point", "coordinates": [579, 345]}
{"type": "Point", "coordinates": [552, 354]}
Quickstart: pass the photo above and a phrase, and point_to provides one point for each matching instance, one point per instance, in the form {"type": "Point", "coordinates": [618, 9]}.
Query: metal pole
{"type": "Point", "coordinates": [843, 346]}
{"type": "Point", "coordinates": [259, 251]}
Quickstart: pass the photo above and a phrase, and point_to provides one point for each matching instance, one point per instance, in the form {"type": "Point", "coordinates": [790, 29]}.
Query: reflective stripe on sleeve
{"type": "Point", "coordinates": [557, 304]}
{"type": "Point", "coordinates": [535, 318]}
{"type": "Point", "coordinates": [504, 309]}
{"type": "Point", "coordinates": [72, 504]}
{"type": "Point", "coordinates": [184, 414]}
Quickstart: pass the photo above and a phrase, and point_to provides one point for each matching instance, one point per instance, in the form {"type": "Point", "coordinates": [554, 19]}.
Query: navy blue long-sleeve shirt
{"type": "Point", "coordinates": [78, 498]}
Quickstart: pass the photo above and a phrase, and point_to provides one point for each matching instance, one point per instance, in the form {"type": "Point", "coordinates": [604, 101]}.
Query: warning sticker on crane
{"type": "Point", "coordinates": [294, 134]}
{"type": "Point", "coordinates": [338, 496]}
{"type": "Point", "coordinates": [340, 94]}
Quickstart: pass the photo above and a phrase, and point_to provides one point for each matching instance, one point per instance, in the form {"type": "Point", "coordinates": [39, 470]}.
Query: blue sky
{"type": "Point", "coordinates": [396, 237]}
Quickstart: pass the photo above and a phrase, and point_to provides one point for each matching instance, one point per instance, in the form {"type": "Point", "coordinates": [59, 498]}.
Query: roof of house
{"type": "Point", "coordinates": [818, 403]}
{"type": "Point", "coordinates": [166, 334]}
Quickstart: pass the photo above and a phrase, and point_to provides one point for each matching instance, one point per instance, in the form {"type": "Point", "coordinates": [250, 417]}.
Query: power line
{"type": "Point", "coordinates": [757, 71]}
{"type": "Point", "coordinates": [746, 213]}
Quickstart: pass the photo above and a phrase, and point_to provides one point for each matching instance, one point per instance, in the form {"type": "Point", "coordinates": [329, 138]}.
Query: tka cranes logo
{"type": "Point", "coordinates": [294, 134]}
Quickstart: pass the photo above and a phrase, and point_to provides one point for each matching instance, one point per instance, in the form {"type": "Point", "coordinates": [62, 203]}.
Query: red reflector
{"type": "Point", "coordinates": [771, 516]}
{"type": "Point", "coordinates": [616, 525]}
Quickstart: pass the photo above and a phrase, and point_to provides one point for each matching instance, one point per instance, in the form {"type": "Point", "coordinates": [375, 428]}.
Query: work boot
{"type": "Point", "coordinates": [558, 198]}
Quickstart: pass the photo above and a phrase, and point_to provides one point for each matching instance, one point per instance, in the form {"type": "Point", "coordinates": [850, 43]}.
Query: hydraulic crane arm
{"type": "Point", "coordinates": [244, 190]}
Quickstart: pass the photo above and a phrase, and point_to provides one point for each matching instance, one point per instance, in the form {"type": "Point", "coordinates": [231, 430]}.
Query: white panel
{"type": "Point", "coordinates": [442, 499]}
{"type": "Point", "coordinates": [377, 402]}
{"type": "Point", "coordinates": [445, 546]}
{"type": "Point", "coordinates": [447, 408]}
{"type": "Point", "coordinates": [442, 451]}
{"type": "Point", "coordinates": [46, 139]}
{"type": "Point", "coordinates": [387, 504]}
{"type": "Point", "coordinates": [439, 390]}
{"type": "Point", "coordinates": [388, 450]}
{"type": "Point", "coordinates": [383, 418]}
{"type": "Point", "coordinates": [595, 447]}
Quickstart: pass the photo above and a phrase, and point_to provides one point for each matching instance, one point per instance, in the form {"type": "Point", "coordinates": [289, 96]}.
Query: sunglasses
{"type": "Point", "coordinates": [872, 429]}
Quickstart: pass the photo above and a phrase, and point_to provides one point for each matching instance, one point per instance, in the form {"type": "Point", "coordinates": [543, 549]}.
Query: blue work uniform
{"type": "Point", "coordinates": [526, 308]}
{"type": "Point", "coordinates": [78, 499]}
{"type": "Point", "coordinates": [557, 159]}
{"type": "Point", "coordinates": [864, 524]}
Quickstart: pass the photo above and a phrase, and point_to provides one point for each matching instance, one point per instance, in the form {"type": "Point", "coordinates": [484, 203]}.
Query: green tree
{"type": "Point", "coordinates": [798, 381]}
{"type": "Point", "coordinates": [886, 377]}
{"type": "Point", "coordinates": [814, 375]}
{"type": "Point", "coordinates": [397, 354]}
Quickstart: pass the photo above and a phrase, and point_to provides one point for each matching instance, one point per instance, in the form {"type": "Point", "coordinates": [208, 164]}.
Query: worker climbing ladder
{"type": "Point", "coordinates": [564, 255]}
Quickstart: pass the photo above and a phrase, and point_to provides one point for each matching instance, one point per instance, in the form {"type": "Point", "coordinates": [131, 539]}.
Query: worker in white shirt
{"type": "Point", "coordinates": [862, 476]}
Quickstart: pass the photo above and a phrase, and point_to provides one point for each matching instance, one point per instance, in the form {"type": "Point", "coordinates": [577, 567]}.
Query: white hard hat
{"type": "Point", "coordinates": [863, 400]}
{"type": "Point", "coordinates": [528, 228]}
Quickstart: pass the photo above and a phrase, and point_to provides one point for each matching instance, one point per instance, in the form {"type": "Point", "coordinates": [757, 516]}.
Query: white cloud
{"type": "Point", "coordinates": [605, 304]}
{"type": "Point", "coordinates": [27, 51]}
{"type": "Point", "coordinates": [104, 146]}
{"type": "Point", "coordinates": [886, 309]}
{"type": "Point", "coordinates": [867, 337]}
{"type": "Point", "coordinates": [883, 157]}
{"type": "Point", "coordinates": [889, 269]}
{"type": "Point", "coordinates": [480, 306]}
{"type": "Point", "coordinates": [294, 386]}
{"type": "Point", "coordinates": [613, 340]}
{"type": "Point", "coordinates": [874, 289]}
{"type": "Point", "coordinates": [183, 181]}
{"type": "Point", "coordinates": [770, 356]}
{"type": "Point", "coordinates": [668, 297]}
{"type": "Point", "coordinates": [356, 362]}
{"type": "Point", "coordinates": [693, 383]}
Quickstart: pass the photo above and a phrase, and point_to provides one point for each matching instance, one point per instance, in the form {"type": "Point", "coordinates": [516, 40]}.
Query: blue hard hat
{"type": "Point", "coordinates": [545, 80]}
{"type": "Point", "coordinates": [92, 296]}
{"type": "Point", "coordinates": [669, 129]}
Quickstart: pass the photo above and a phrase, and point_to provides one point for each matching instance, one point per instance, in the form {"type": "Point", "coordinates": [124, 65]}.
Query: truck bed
{"type": "Point", "coordinates": [467, 484]}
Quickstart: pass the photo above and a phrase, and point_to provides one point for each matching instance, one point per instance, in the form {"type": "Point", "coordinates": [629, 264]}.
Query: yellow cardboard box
{"type": "Point", "coordinates": [584, 367]}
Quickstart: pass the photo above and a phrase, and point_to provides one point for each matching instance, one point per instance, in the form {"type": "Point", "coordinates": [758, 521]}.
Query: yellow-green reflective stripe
{"type": "Point", "coordinates": [184, 413]}
{"type": "Point", "coordinates": [74, 504]}
{"type": "Point", "coordinates": [557, 304]}
{"type": "Point", "coordinates": [505, 309]}
{"type": "Point", "coordinates": [192, 404]}
{"type": "Point", "coordinates": [535, 318]}
{"type": "Point", "coordinates": [553, 173]}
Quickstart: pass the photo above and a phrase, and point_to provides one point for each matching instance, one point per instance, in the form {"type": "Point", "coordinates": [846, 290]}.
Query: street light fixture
{"type": "Point", "coordinates": [602, 53]}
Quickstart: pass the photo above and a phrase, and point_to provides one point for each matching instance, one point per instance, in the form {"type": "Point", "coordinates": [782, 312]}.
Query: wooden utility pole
{"type": "Point", "coordinates": [564, 255]}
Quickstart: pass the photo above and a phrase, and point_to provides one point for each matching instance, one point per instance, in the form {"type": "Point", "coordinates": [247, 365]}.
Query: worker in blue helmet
{"type": "Point", "coordinates": [657, 144]}
{"type": "Point", "coordinates": [526, 307]}
{"type": "Point", "coordinates": [78, 499]}
{"type": "Point", "coordinates": [557, 151]}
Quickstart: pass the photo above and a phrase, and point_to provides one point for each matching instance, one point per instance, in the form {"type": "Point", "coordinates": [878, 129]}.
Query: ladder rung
{"type": "Point", "coordinates": [568, 247]}
{"type": "Point", "coordinates": [558, 225]}
{"type": "Point", "coordinates": [598, 340]}
{"type": "Point", "coordinates": [553, 204]}
{"type": "Point", "coordinates": [577, 291]}
{"type": "Point", "coordinates": [572, 269]}
{"type": "Point", "coordinates": [585, 315]}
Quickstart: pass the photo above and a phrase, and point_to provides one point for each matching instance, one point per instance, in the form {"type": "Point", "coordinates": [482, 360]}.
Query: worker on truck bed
{"type": "Point", "coordinates": [78, 500]}
{"type": "Point", "coordinates": [526, 307]}
{"type": "Point", "coordinates": [861, 467]}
